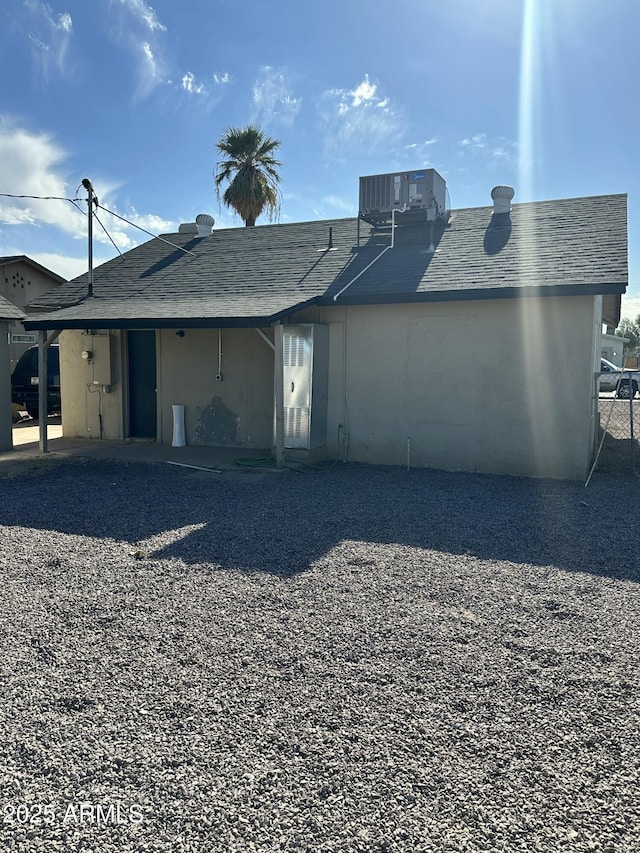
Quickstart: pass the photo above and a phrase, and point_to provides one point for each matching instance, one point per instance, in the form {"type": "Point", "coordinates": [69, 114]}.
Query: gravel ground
{"type": "Point", "coordinates": [347, 660]}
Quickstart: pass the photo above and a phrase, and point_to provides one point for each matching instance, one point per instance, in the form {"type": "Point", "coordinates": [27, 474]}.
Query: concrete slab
{"type": "Point", "coordinates": [26, 451]}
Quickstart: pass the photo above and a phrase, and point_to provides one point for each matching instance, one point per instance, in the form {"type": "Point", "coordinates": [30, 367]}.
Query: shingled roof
{"type": "Point", "coordinates": [255, 276]}
{"type": "Point", "coordinates": [9, 311]}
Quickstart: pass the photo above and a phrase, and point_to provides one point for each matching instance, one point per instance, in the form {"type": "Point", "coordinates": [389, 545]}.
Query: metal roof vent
{"type": "Point", "coordinates": [205, 224]}
{"type": "Point", "coordinates": [188, 228]}
{"type": "Point", "coordinates": [502, 196]}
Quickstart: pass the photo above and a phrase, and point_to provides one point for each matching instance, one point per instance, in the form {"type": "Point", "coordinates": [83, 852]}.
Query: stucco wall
{"type": "Point", "coordinates": [91, 409]}
{"type": "Point", "coordinates": [20, 283]}
{"type": "Point", "coordinates": [502, 386]}
{"type": "Point", "coordinates": [236, 411]}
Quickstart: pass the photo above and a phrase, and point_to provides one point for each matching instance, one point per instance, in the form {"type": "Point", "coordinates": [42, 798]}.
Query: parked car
{"type": "Point", "coordinates": [613, 378]}
{"type": "Point", "coordinates": [24, 381]}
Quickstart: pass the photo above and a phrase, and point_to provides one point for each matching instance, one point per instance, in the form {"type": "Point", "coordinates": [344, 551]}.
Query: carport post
{"type": "Point", "coordinates": [278, 396]}
{"type": "Point", "coordinates": [43, 352]}
{"type": "Point", "coordinates": [44, 341]}
{"type": "Point", "coordinates": [6, 437]}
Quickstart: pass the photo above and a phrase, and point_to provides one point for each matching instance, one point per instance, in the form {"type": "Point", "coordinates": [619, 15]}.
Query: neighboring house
{"type": "Point", "coordinates": [9, 314]}
{"type": "Point", "coordinates": [472, 344]}
{"type": "Point", "coordinates": [22, 280]}
{"type": "Point", "coordinates": [611, 348]}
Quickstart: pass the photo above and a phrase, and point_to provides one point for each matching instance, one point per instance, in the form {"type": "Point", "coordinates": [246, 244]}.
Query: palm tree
{"type": "Point", "coordinates": [251, 171]}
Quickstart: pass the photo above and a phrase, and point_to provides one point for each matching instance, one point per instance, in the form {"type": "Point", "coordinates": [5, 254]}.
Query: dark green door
{"type": "Point", "coordinates": [142, 384]}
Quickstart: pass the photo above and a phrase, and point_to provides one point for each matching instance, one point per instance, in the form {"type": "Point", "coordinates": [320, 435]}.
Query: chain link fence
{"type": "Point", "coordinates": [618, 430]}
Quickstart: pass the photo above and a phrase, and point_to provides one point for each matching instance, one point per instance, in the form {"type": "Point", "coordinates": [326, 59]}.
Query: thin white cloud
{"type": "Point", "coordinates": [64, 22]}
{"type": "Point", "coordinates": [272, 98]}
{"type": "Point", "coordinates": [208, 92]}
{"type": "Point", "coordinates": [477, 142]}
{"type": "Point", "coordinates": [357, 119]}
{"type": "Point", "coordinates": [424, 144]}
{"type": "Point", "coordinates": [136, 27]}
{"type": "Point", "coordinates": [144, 14]}
{"type": "Point", "coordinates": [495, 150]}
{"type": "Point", "coordinates": [149, 68]}
{"type": "Point", "coordinates": [50, 34]}
{"type": "Point", "coordinates": [421, 152]}
{"type": "Point", "coordinates": [364, 92]}
{"type": "Point", "coordinates": [337, 203]}
{"type": "Point", "coordinates": [191, 85]}
{"type": "Point", "coordinates": [33, 164]}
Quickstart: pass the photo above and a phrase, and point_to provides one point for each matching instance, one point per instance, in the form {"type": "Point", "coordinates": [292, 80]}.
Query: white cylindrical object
{"type": "Point", "coordinates": [178, 427]}
{"type": "Point", "coordinates": [502, 196]}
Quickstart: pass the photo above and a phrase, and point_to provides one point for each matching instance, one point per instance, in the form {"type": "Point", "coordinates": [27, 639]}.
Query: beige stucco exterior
{"type": "Point", "coordinates": [236, 410]}
{"type": "Point", "coordinates": [502, 386]}
{"type": "Point", "coordinates": [91, 407]}
{"type": "Point", "coordinates": [20, 283]}
{"type": "Point", "coordinates": [497, 386]}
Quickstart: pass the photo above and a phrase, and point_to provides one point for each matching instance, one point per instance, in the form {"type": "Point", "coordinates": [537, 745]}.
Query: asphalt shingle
{"type": "Point", "coordinates": [253, 276]}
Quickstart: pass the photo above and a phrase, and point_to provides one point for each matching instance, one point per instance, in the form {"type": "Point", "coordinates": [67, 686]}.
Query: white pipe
{"type": "Point", "coordinates": [195, 467]}
{"type": "Point", "coordinates": [393, 222]}
{"type": "Point", "coordinates": [219, 352]}
{"type": "Point", "coordinates": [386, 249]}
{"type": "Point", "coordinates": [179, 439]}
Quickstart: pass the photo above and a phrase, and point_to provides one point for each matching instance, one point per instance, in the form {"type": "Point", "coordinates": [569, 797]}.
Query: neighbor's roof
{"type": "Point", "coordinates": [255, 276]}
{"type": "Point", "coordinates": [12, 259]}
{"type": "Point", "coordinates": [9, 311]}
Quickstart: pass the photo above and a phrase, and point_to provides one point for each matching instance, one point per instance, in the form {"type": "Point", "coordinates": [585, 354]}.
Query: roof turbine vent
{"type": "Point", "coordinates": [205, 224]}
{"type": "Point", "coordinates": [502, 196]}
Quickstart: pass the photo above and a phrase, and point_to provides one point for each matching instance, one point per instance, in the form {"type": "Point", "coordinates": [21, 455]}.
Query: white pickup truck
{"type": "Point", "coordinates": [613, 378]}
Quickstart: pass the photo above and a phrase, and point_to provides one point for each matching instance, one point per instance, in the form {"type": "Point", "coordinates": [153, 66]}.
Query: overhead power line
{"type": "Point", "coordinates": [102, 207]}
{"type": "Point", "coordinates": [41, 197]}
{"type": "Point", "coordinates": [140, 228]}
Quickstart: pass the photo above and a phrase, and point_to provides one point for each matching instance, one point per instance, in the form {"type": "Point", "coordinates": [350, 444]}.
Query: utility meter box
{"type": "Point", "coordinates": [305, 365]}
{"type": "Point", "coordinates": [101, 359]}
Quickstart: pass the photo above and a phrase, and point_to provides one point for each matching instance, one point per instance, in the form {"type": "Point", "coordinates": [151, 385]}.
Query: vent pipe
{"type": "Point", "coordinates": [502, 196]}
{"type": "Point", "coordinates": [205, 224]}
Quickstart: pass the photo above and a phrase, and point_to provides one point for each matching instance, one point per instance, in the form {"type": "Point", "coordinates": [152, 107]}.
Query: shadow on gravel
{"type": "Point", "coordinates": [282, 523]}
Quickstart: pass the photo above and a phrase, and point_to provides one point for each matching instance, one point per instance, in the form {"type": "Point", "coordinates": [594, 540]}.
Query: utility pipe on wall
{"type": "Point", "coordinates": [376, 259]}
{"type": "Point", "coordinates": [278, 396]}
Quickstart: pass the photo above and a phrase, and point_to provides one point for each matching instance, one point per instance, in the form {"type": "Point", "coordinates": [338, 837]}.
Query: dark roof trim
{"type": "Point", "coordinates": [470, 295]}
{"type": "Point", "coordinates": [151, 323]}
{"type": "Point", "coordinates": [478, 294]}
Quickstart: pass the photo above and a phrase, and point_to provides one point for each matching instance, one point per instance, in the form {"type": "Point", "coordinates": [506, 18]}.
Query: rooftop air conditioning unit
{"type": "Point", "coordinates": [423, 191]}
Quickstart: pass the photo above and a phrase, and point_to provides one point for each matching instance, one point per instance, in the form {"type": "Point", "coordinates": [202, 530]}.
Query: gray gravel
{"type": "Point", "coordinates": [347, 660]}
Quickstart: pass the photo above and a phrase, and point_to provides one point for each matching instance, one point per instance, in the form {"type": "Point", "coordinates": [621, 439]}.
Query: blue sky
{"type": "Point", "coordinates": [539, 94]}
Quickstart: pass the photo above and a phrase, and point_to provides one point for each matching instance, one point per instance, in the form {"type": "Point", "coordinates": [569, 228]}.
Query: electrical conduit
{"type": "Point", "coordinates": [377, 258]}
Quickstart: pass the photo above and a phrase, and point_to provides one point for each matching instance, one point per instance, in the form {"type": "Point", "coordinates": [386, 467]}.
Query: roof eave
{"type": "Point", "coordinates": [473, 294]}
{"type": "Point", "coordinates": [253, 321]}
